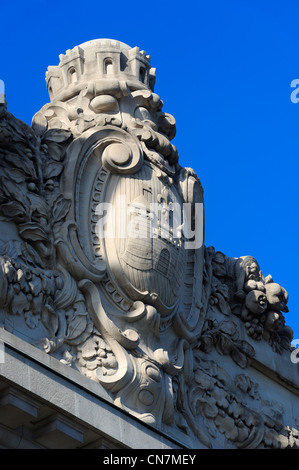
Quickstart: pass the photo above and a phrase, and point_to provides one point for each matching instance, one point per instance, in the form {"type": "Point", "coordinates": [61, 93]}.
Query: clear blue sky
{"type": "Point", "coordinates": [224, 70]}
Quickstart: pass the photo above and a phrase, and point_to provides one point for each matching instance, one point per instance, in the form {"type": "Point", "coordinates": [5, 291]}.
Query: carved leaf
{"type": "Point", "coordinates": [38, 205]}
{"type": "Point", "coordinates": [17, 129]}
{"type": "Point", "coordinates": [39, 124]}
{"type": "Point", "coordinates": [226, 425]}
{"type": "Point", "coordinates": [57, 135]}
{"type": "Point", "coordinates": [55, 151]}
{"type": "Point", "coordinates": [61, 207]}
{"type": "Point", "coordinates": [243, 383]}
{"type": "Point", "coordinates": [16, 174]}
{"type": "Point", "coordinates": [203, 380]}
{"type": "Point", "coordinates": [242, 353]}
{"type": "Point", "coordinates": [31, 256]}
{"type": "Point", "coordinates": [50, 319]}
{"type": "Point", "coordinates": [247, 348]}
{"type": "Point", "coordinates": [210, 410]}
{"type": "Point", "coordinates": [83, 336]}
{"type": "Point", "coordinates": [223, 305]}
{"type": "Point", "coordinates": [228, 327]}
{"type": "Point", "coordinates": [2, 196]}
{"type": "Point", "coordinates": [13, 191]}
{"type": "Point", "coordinates": [19, 304]}
{"type": "Point", "coordinates": [223, 289]}
{"type": "Point", "coordinates": [223, 377]}
{"type": "Point", "coordinates": [31, 320]}
{"type": "Point", "coordinates": [89, 348]}
{"type": "Point", "coordinates": [22, 163]}
{"type": "Point", "coordinates": [13, 210]}
{"type": "Point", "coordinates": [224, 345]}
{"type": "Point", "coordinates": [76, 326]}
{"type": "Point", "coordinates": [219, 269]}
{"type": "Point", "coordinates": [239, 358]}
{"type": "Point", "coordinates": [33, 232]}
{"type": "Point", "coordinates": [52, 170]}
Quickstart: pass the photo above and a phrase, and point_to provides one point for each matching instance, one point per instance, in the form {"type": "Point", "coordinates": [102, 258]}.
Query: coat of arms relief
{"type": "Point", "coordinates": [103, 261]}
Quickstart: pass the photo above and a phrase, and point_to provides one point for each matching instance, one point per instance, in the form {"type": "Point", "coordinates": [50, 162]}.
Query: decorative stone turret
{"type": "Point", "coordinates": [98, 60]}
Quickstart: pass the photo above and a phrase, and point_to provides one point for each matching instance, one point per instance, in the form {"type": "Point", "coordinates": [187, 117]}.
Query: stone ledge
{"type": "Point", "coordinates": [277, 367]}
{"type": "Point", "coordinates": [55, 385]}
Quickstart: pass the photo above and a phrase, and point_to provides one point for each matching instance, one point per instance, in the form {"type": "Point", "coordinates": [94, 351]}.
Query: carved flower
{"type": "Point", "coordinates": [19, 304]}
{"type": "Point", "coordinates": [94, 353]}
{"type": "Point", "coordinates": [31, 320]}
{"type": "Point", "coordinates": [245, 384]}
{"type": "Point", "coordinates": [275, 440]}
{"type": "Point", "coordinates": [226, 426]}
{"type": "Point", "coordinates": [203, 380]}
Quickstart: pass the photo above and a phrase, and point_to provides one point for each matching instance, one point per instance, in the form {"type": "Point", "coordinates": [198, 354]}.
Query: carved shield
{"type": "Point", "coordinates": [144, 251]}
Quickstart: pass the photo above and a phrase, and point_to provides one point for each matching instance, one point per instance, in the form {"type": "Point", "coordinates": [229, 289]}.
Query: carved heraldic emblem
{"type": "Point", "coordinates": [103, 263]}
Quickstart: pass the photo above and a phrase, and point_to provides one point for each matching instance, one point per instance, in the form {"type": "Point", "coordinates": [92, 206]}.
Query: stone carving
{"type": "Point", "coordinates": [241, 289]}
{"type": "Point", "coordinates": [122, 299]}
{"type": "Point", "coordinates": [231, 410]}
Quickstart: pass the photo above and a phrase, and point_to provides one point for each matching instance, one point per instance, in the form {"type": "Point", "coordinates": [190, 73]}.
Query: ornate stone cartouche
{"type": "Point", "coordinates": [95, 271]}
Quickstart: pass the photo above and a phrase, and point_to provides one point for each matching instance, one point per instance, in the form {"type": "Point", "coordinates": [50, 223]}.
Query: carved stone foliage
{"type": "Point", "coordinates": [239, 288]}
{"type": "Point", "coordinates": [138, 314]}
{"type": "Point", "coordinates": [30, 165]}
{"type": "Point", "coordinates": [230, 410]}
{"type": "Point", "coordinates": [122, 310]}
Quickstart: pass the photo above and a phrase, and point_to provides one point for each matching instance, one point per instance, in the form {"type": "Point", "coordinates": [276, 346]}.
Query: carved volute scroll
{"type": "Point", "coordinates": [100, 267]}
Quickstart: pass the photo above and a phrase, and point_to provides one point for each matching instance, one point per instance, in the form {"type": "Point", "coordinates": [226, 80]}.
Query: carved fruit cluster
{"type": "Point", "coordinates": [28, 290]}
{"type": "Point", "coordinates": [239, 287]}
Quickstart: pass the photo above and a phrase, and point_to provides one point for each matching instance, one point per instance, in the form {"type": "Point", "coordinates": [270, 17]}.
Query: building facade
{"type": "Point", "coordinates": [120, 328]}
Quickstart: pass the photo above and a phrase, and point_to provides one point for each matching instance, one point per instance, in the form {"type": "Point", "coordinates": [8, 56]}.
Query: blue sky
{"type": "Point", "coordinates": [224, 70]}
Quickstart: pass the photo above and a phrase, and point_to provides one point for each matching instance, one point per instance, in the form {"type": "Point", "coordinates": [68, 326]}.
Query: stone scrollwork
{"type": "Point", "coordinates": [96, 266]}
